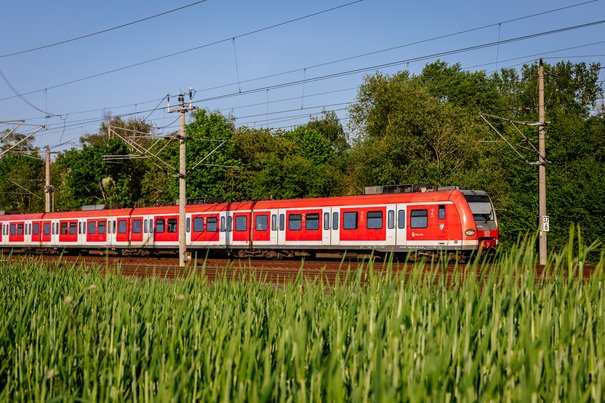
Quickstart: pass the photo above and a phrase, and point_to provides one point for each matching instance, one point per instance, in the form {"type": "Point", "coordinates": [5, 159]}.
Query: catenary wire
{"type": "Point", "coordinates": [103, 31]}
{"type": "Point", "coordinates": [189, 50]}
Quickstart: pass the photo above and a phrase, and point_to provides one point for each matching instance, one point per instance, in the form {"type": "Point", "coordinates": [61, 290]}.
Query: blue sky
{"type": "Point", "coordinates": [237, 62]}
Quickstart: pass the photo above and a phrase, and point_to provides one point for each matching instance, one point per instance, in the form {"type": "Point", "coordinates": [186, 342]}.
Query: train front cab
{"type": "Point", "coordinates": [481, 224]}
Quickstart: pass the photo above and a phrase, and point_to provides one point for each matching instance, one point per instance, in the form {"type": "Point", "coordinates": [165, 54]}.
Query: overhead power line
{"type": "Point", "coordinates": [21, 97]}
{"type": "Point", "coordinates": [403, 61]}
{"type": "Point", "coordinates": [101, 31]}
{"type": "Point", "coordinates": [190, 49]}
{"type": "Point", "coordinates": [347, 72]}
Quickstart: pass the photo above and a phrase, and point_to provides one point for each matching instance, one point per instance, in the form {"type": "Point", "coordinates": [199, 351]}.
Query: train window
{"type": "Point", "coordinates": [335, 220]}
{"type": "Point", "coordinates": [241, 223]}
{"type": "Point", "coordinates": [151, 225]}
{"type": "Point", "coordinates": [46, 228]}
{"type": "Point", "coordinates": [312, 222]}
{"type": "Point", "coordinates": [391, 219]}
{"type": "Point", "coordinates": [274, 222]}
{"type": "Point", "coordinates": [83, 227]}
{"type": "Point", "coordinates": [73, 228]}
{"type": "Point", "coordinates": [101, 227]}
{"type": "Point", "coordinates": [374, 220]}
{"type": "Point", "coordinates": [282, 222]}
{"type": "Point", "coordinates": [172, 226]}
{"type": "Point", "coordinates": [229, 223]}
{"type": "Point", "coordinates": [222, 224]}
{"type": "Point", "coordinates": [401, 219]}
{"type": "Point", "coordinates": [419, 219]}
{"type": "Point", "coordinates": [441, 212]}
{"type": "Point", "coordinates": [262, 222]}
{"type": "Point", "coordinates": [113, 225]}
{"type": "Point", "coordinates": [188, 224]}
{"type": "Point", "coordinates": [26, 229]}
{"type": "Point", "coordinates": [19, 229]}
{"type": "Point", "coordinates": [64, 228]}
{"type": "Point", "coordinates": [36, 229]}
{"type": "Point", "coordinates": [159, 225]}
{"type": "Point", "coordinates": [79, 228]}
{"type": "Point", "coordinates": [211, 224]}
{"type": "Point", "coordinates": [122, 227]}
{"type": "Point", "coordinates": [92, 227]}
{"type": "Point", "coordinates": [326, 221]}
{"type": "Point", "coordinates": [198, 224]}
{"type": "Point", "coordinates": [349, 220]}
{"type": "Point", "coordinates": [295, 222]}
{"type": "Point", "coordinates": [136, 226]}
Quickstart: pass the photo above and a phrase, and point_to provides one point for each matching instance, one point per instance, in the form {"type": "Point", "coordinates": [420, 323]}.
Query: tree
{"type": "Point", "coordinates": [21, 174]}
{"type": "Point", "coordinates": [407, 135]}
{"type": "Point", "coordinates": [287, 164]}
{"type": "Point", "coordinates": [425, 129]}
{"type": "Point", "coordinates": [86, 178]}
{"type": "Point", "coordinates": [329, 127]}
{"type": "Point", "coordinates": [210, 138]}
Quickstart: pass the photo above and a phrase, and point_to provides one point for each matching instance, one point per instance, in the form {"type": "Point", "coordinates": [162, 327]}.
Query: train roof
{"type": "Point", "coordinates": [366, 199]}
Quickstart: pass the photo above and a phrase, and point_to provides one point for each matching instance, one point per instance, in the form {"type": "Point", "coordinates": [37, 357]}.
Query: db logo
{"type": "Point", "coordinates": [415, 234]}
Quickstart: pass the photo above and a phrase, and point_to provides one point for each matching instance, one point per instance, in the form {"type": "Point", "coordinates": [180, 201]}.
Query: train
{"type": "Point", "coordinates": [421, 220]}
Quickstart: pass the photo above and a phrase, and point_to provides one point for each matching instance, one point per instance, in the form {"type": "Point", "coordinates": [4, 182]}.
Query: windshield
{"type": "Point", "coordinates": [481, 207]}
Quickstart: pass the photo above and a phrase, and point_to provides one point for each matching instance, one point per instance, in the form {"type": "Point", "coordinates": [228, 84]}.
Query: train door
{"type": "Point", "coordinates": [281, 227]}
{"type": "Point", "coordinates": [226, 225]}
{"type": "Point", "coordinates": [326, 233]}
{"type": "Point", "coordinates": [274, 228]}
{"type": "Point", "coordinates": [400, 224]}
{"type": "Point", "coordinates": [335, 226]}
{"type": "Point", "coordinates": [111, 232]}
{"type": "Point", "coordinates": [148, 231]}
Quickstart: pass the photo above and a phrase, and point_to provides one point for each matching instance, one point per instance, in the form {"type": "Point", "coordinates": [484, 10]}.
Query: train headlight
{"type": "Point", "coordinates": [470, 232]}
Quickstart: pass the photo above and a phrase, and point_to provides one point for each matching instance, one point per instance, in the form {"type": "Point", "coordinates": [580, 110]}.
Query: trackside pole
{"type": "Point", "coordinates": [544, 221]}
{"type": "Point", "coordinates": [182, 109]}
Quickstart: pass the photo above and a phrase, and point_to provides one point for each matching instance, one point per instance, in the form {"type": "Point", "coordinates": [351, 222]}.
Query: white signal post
{"type": "Point", "coordinates": [182, 175]}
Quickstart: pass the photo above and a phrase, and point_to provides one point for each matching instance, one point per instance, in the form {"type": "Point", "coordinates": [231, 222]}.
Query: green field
{"type": "Point", "coordinates": [68, 334]}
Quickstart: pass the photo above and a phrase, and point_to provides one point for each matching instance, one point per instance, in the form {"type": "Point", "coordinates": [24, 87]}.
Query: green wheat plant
{"type": "Point", "coordinates": [490, 332]}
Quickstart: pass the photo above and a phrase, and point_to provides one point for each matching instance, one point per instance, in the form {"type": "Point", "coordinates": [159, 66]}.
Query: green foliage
{"type": "Point", "coordinates": [21, 174]}
{"type": "Point", "coordinates": [298, 163]}
{"type": "Point", "coordinates": [424, 129]}
{"type": "Point", "coordinates": [406, 128]}
{"type": "Point", "coordinates": [213, 178]}
{"type": "Point", "coordinates": [85, 178]}
{"type": "Point", "coordinates": [376, 336]}
{"type": "Point", "coordinates": [407, 135]}
{"type": "Point", "coordinates": [330, 128]}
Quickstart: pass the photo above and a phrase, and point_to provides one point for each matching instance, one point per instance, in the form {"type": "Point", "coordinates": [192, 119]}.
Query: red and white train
{"type": "Point", "coordinates": [441, 220]}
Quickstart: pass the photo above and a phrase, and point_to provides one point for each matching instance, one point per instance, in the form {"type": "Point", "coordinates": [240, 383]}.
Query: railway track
{"type": "Point", "coordinates": [271, 271]}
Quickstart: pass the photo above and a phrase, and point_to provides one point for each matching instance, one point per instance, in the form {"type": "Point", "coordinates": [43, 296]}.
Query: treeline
{"type": "Point", "coordinates": [428, 128]}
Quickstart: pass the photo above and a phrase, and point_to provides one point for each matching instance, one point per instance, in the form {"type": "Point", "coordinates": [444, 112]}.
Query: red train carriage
{"type": "Point", "coordinates": [452, 220]}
